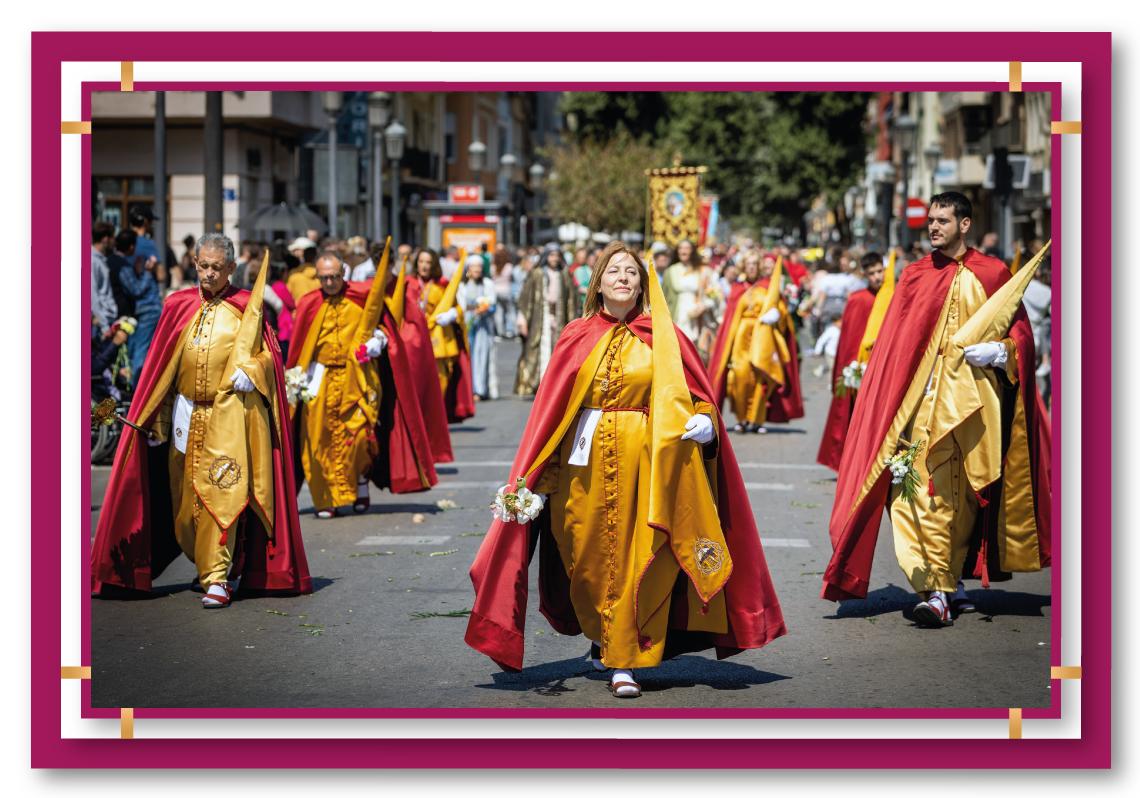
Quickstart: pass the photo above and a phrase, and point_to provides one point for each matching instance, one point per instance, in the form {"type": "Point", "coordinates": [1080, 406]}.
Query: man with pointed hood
{"type": "Point", "coordinates": [946, 432]}
{"type": "Point", "coordinates": [206, 475]}
{"type": "Point", "coordinates": [547, 302]}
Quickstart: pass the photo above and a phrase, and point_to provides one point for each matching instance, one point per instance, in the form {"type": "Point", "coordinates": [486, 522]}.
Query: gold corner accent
{"type": "Point", "coordinates": [75, 672]}
{"type": "Point", "coordinates": [1065, 672]}
{"type": "Point", "coordinates": [74, 127]}
{"type": "Point", "coordinates": [128, 76]}
{"type": "Point", "coordinates": [1015, 76]}
{"type": "Point", "coordinates": [1066, 127]}
{"type": "Point", "coordinates": [1015, 724]}
{"type": "Point", "coordinates": [127, 723]}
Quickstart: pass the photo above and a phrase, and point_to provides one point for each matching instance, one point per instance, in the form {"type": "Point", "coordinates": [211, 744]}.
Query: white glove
{"type": "Point", "coordinates": [447, 317]}
{"type": "Point", "coordinates": [242, 382]}
{"type": "Point", "coordinates": [376, 344]}
{"type": "Point", "coordinates": [700, 429]}
{"type": "Point", "coordinates": [771, 317]}
{"type": "Point", "coordinates": [153, 442]}
{"type": "Point", "coordinates": [989, 354]}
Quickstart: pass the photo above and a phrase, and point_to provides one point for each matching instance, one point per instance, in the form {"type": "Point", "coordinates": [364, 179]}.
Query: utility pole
{"type": "Point", "coordinates": [212, 212]}
{"type": "Point", "coordinates": [160, 208]}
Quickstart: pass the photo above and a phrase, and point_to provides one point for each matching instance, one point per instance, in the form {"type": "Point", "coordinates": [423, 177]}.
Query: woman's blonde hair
{"type": "Point", "coordinates": [592, 305]}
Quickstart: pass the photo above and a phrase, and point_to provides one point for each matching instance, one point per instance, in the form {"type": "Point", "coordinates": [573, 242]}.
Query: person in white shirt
{"type": "Point", "coordinates": [827, 344]}
{"type": "Point", "coordinates": [448, 263]}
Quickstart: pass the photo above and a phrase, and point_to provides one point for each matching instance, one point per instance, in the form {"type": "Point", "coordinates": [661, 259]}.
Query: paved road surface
{"type": "Point", "coordinates": [353, 642]}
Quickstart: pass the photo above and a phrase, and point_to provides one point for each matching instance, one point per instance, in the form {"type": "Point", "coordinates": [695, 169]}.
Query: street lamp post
{"type": "Point", "coordinates": [394, 137]}
{"type": "Point", "coordinates": [905, 128]}
{"type": "Point", "coordinates": [507, 166]}
{"type": "Point", "coordinates": [537, 173]}
{"type": "Point", "coordinates": [332, 103]}
{"type": "Point", "coordinates": [378, 104]}
{"type": "Point", "coordinates": [476, 156]}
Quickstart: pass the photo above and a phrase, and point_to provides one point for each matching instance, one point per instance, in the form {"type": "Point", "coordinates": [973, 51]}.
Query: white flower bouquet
{"type": "Point", "coordinates": [902, 469]}
{"type": "Point", "coordinates": [850, 379]}
{"type": "Point", "coordinates": [522, 505]}
{"type": "Point", "coordinates": [296, 385]}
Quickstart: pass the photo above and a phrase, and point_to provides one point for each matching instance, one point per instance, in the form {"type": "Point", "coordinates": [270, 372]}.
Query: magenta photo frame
{"type": "Point", "coordinates": [51, 750]}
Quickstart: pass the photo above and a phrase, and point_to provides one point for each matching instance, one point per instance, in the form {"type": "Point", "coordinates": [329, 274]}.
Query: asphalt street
{"type": "Point", "coordinates": [355, 642]}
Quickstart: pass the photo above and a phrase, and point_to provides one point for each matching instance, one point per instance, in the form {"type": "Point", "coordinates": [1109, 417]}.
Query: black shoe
{"type": "Point", "coordinates": [750, 427]}
{"type": "Point", "coordinates": [738, 428]}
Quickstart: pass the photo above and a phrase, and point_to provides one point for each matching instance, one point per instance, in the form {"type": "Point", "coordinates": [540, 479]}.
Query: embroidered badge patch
{"type": "Point", "coordinates": [225, 472]}
{"type": "Point", "coordinates": [709, 555]}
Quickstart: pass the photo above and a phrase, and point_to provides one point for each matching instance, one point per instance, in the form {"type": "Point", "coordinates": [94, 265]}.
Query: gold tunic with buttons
{"type": "Point", "coordinates": [932, 534]}
{"type": "Point", "coordinates": [443, 342]}
{"type": "Point", "coordinates": [599, 517]}
{"type": "Point", "coordinates": [199, 366]}
{"type": "Point", "coordinates": [337, 442]}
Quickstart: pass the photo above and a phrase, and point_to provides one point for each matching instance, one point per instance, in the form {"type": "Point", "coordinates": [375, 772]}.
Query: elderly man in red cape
{"type": "Point", "coordinates": [213, 480]}
{"type": "Point", "coordinates": [398, 443]}
{"type": "Point", "coordinates": [750, 611]}
{"type": "Point", "coordinates": [786, 402]}
{"type": "Point", "coordinates": [947, 432]}
{"type": "Point", "coordinates": [855, 316]}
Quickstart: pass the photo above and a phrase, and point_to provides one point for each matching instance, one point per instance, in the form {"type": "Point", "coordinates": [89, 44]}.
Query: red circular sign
{"type": "Point", "coordinates": [916, 211]}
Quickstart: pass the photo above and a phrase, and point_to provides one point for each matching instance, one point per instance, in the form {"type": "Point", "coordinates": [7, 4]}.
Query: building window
{"type": "Point", "coordinates": [449, 136]}
{"type": "Point", "coordinates": [115, 196]}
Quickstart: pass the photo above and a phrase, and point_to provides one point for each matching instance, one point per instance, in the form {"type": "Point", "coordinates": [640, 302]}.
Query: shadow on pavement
{"type": "Point", "coordinates": [466, 429]}
{"type": "Point", "coordinates": [990, 603]}
{"type": "Point", "coordinates": [550, 678]}
{"type": "Point", "coordinates": [785, 431]}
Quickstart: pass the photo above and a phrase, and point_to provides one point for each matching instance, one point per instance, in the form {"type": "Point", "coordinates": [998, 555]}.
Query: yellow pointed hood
{"type": "Point", "coordinates": [878, 311]}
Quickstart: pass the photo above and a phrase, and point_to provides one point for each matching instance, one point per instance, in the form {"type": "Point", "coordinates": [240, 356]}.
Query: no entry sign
{"type": "Point", "coordinates": [916, 211]}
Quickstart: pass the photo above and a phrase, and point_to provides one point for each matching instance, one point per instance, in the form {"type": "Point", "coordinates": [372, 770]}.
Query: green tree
{"type": "Point", "coordinates": [602, 184]}
{"type": "Point", "coordinates": [769, 153]}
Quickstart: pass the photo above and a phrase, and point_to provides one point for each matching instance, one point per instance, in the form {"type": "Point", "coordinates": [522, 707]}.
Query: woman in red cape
{"type": "Point", "coordinates": [135, 542]}
{"type": "Point", "coordinates": [745, 604]}
{"type": "Point", "coordinates": [855, 315]}
{"type": "Point", "coordinates": [405, 450]}
{"type": "Point", "coordinates": [787, 402]}
{"type": "Point", "coordinates": [421, 360]}
{"type": "Point", "coordinates": [900, 346]}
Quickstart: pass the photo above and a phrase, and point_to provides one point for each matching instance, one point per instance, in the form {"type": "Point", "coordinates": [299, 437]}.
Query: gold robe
{"type": "Point", "coordinates": [337, 437]}
{"type": "Point", "coordinates": [302, 280]}
{"type": "Point", "coordinates": [932, 534]}
{"type": "Point", "coordinates": [599, 518]}
{"type": "Point", "coordinates": [197, 371]}
{"type": "Point", "coordinates": [443, 342]}
{"type": "Point", "coordinates": [748, 385]}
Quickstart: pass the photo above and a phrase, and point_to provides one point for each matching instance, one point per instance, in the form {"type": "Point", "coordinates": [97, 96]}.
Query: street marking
{"type": "Point", "coordinates": [398, 540]}
{"type": "Point", "coordinates": [767, 486]}
{"type": "Point", "coordinates": [469, 485]}
{"type": "Point", "coordinates": [786, 543]}
{"type": "Point", "coordinates": [785, 466]}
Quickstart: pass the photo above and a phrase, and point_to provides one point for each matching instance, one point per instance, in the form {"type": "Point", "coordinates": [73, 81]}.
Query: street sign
{"type": "Point", "coordinates": [916, 212]}
{"type": "Point", "coordinates": [465, 193]}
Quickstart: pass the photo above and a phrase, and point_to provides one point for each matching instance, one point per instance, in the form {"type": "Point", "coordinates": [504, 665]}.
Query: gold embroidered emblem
{"type": "Point", "coordinates": [178, 432]}
{"type": "Point", "coordinates": [709, 555]}
{"type": "Point", "coordinates": [582, 443]}
{"type": "Point", "coordinates": [225, 472]}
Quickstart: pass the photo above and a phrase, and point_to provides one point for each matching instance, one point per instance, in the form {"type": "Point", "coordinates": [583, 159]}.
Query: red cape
{"type": "Point", "coordinates": [797, 272]}
{"type": "Point", "coordinates": [785, 404]}
{"type": "Point", "coordinates": [401, 423]}
{"type": "Point", "coordinates": [134, 540]}
{"type": "Point", "coordinates": [499, 573]}
{"type": "Point", "coordinates": [459, 398]}
{"type": "Point", "coordinates": [421, 359]}
{"type": "Point", "coordinates": [855, 316]}
{"type": "Point", "coordinates": [909, 323]}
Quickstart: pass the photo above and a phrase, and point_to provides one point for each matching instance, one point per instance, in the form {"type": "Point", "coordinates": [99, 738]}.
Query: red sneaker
{"type": "Point", "coordinates": [935, 611]}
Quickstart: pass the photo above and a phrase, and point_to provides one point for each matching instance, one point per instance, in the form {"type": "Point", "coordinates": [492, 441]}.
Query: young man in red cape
{"type": "Point", "coordinates": [968, 414]}
{"type": "Point", "coordinates": [786, 402]}
{"type": "Point", "coordinates": [404, 461]}
{"type": "Point", "coordinates": [214, 482]}
{"type": "Point", "coordinates": [500, 572]}
{"type": "Point", "coordinates": [855, 315]}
